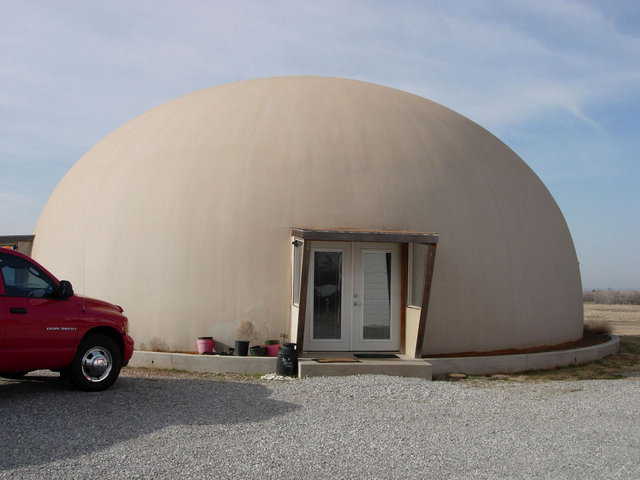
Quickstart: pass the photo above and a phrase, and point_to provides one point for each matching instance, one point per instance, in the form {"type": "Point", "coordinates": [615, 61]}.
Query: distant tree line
{"type": "Point", "coordinates": [610, 297]}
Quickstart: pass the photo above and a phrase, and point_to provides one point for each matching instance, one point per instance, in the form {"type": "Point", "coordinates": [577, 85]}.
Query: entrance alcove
{"type": "Point", "coordinates": [356, 291]}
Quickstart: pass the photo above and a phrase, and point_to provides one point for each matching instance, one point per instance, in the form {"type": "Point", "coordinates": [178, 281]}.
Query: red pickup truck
{"type": "Point", "coordinates": [43, 325]}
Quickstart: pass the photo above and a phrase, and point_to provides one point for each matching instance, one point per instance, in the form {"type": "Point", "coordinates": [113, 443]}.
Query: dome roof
{"type": "Point", "coordinates": [183, 214]}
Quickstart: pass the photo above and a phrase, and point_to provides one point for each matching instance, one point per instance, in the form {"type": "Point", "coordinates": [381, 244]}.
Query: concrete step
{"type": "Point", "coordinates": [395, 367]}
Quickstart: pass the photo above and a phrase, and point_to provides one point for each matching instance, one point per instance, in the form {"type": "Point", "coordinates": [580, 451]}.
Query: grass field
{"type": "Point", "coordinates": [623, 319]}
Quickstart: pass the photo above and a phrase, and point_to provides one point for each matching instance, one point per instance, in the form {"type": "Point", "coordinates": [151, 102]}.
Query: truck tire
{"type": "Point", "coordinates": [65, 375]}
{"type": "Point", "coordinates": [97, 364]}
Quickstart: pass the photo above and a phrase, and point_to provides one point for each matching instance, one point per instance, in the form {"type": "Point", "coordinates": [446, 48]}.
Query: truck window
{"type": "Point", "coordinates": [23, 279]}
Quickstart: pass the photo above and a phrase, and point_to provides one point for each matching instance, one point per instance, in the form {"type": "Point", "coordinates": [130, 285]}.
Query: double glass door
{"type": "Point", "coordinates": [353, 297]}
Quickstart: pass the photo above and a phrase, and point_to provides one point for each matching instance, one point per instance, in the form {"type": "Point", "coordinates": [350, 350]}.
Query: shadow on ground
{"type": "Point", "coordinates": [43, 420]}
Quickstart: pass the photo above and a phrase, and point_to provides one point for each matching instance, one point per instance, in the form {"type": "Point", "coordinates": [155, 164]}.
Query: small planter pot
{"type": "Point", "coordinates": [272, 349]}
{"type": "Point", "coordinates": [242, 348]}
{"type": "Point", "coordinates": [257, 351]}
{"type": "Point", "coordinates": [205, 345]}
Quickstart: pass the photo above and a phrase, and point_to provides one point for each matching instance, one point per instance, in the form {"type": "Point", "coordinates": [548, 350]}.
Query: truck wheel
{"type": "Point", "coordinates": [96, 364]}
{"type": "Point", "coordinates": [13, 375]}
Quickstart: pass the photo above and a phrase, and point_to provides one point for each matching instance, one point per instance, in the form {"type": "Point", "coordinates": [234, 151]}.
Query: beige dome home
{"type": "Point", "coordinates": [314, 207]}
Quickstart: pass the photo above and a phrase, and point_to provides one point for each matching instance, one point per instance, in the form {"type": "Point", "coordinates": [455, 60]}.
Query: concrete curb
{"type": "Point", "coordinates": [523, 362]}
{"type": "Point", "coordinates": [204, 363]}
{"type": "Point", "coordinates": [439, 366]}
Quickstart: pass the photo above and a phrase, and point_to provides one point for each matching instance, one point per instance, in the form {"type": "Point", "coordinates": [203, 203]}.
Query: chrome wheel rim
{"type": "Point", "coordinates": [96, 364]}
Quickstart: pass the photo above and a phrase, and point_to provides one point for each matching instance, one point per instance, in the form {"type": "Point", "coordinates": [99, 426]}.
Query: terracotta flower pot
{"type": "Point", "coordinates": [206, 345]}
{"type": "Point", "coordinates": [272, 350]}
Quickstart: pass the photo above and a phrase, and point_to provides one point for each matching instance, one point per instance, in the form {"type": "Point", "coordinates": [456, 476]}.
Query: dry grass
{"type": "Point", "coordinates": [596, 327]}
{"type": "Point", "coordinates": [141, 372]}
{"type": "Point", "coordinates": [623, 319]}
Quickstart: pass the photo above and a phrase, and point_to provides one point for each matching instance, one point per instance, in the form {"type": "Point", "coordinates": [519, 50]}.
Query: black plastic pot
{"type": "Point", "coordinates": [288, 360]}
{"type": "Point", "coordinates": [242, 348]}
{"type": "Point", "coordinates": [258, 351]}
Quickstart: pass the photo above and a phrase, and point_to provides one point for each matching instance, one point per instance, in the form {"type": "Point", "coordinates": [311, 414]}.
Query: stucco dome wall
{"type": "Point", "coordinates": [182, 216]}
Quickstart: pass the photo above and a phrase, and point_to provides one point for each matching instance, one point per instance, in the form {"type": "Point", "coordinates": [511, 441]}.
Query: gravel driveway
{"type": "Point", "coordinates": [354, 427]}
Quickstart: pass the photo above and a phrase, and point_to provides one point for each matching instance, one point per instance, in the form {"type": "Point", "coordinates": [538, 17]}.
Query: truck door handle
{"type": "Point", "coordinates": [18, 310]}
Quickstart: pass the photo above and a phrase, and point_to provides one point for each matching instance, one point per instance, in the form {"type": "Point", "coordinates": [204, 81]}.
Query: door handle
{"type": "Point", "coordinates": [18, 310]}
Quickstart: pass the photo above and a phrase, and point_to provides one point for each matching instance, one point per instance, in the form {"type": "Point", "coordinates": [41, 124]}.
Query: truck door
{"type": "Point", "coordinates": [3, 353]}
{"type": "Point", "coordinates": [39, 331]}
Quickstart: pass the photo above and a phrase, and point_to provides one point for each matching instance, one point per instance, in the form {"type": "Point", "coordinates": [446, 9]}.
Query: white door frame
{"type": "Point", "coordinates": [352, 292]}
{"type": "Point", "coordinates": [358, 342]}
{"type": "Point", "coordinates": [344, 342]}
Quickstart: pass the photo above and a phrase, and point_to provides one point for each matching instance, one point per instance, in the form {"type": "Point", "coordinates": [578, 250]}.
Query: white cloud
{"type": "Point", "coordinates": [113, 60]}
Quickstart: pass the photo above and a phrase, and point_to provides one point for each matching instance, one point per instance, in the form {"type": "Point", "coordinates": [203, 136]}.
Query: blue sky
{"type": "Point", "coordinates": [558, 81]}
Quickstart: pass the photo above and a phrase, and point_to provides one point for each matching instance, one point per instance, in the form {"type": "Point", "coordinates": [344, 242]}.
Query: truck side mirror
{"type": "Point", "coordinates": [64, 290]}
